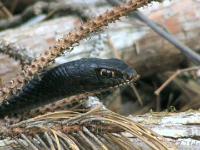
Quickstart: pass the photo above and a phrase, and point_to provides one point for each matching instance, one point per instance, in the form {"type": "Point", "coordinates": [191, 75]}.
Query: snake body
{"type": "Point", "coordinates": [85, 75]}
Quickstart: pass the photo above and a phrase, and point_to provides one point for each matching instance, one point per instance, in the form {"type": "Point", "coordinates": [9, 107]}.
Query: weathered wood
{"type": "Point", "coordinates": [145, 51]}
{"type": "Point", "coordinates": [152, 53]}
{"type": "Point", "coordinates": [182, 129]}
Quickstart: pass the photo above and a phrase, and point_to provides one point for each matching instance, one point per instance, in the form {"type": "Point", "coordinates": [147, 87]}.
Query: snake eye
{"type": "Point", "coordinates": [107, 73]}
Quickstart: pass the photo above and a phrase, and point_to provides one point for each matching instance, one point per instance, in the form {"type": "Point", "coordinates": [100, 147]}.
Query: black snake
{"type": "Point", "coordinates": [85, 75]}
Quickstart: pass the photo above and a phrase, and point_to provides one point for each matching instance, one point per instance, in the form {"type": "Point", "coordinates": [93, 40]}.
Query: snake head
{"type": "Point", "coordinates": [90, 75]}
{"type": "Point", "coordinates": [101, 74]}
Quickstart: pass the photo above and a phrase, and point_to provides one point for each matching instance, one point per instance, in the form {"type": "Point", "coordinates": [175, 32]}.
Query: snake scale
{"type": "Point", "coordinates": [86, 75]}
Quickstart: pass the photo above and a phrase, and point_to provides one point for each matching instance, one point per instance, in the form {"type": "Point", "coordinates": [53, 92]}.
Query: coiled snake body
{"type": "Point", "coordinates": [81, 76]}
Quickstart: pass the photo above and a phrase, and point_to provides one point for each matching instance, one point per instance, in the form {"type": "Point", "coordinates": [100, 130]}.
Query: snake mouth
{"type": "Point", "coordinates": [127, 82]}
{"type": "Point", "coordinates": [124, 83]}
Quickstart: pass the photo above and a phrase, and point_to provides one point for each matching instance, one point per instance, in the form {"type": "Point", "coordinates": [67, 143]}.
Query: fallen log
{"type": "Point", "coordinates": [153, 54]}
{"type": "Point", "coordinates": [135, 45]}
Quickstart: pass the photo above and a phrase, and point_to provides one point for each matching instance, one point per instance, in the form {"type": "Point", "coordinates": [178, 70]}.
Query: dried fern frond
{"type": "Point", "coordinates": [98, 128]}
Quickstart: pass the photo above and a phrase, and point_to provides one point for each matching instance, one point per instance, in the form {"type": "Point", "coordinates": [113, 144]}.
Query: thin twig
{"type": "Point", "coordinates": [6, 13]}
{"type": "Point", "coordinates": [172, 77]}
{"type": "Point", "coordinates": [137, 94]}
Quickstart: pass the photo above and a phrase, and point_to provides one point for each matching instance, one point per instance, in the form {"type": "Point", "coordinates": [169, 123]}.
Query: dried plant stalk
{"type": "Point", "coordinates": [91, 127]}
{"type": "Point", "coordinates": [15, 51]}
{"type": "Point", "coordinates": [67, 43]}
{"type": "Point", "coordinates": [58, 105]}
